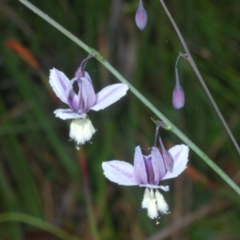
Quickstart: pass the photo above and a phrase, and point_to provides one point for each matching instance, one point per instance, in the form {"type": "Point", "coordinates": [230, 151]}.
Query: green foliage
{"type": "Point", "coordinates": [41, 172]}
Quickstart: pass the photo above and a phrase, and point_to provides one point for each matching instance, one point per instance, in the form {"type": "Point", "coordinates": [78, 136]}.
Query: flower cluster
{"type": "Point", "coordinates": [147, 170]}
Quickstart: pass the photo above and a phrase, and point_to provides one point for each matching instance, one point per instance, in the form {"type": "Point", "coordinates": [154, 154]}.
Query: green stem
{"type": "Point", "coordinates": [100, 58]}
{"type": "Point", "coordinates": [199, 76]}
{"type": "Point", "coordinates": [88, 196]}
{"type": "Point", "coordinates": [36, 222]}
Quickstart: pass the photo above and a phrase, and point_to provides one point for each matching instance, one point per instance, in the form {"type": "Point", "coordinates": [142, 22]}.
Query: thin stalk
{"type": "Point", "coordinates": [36, 222]}
{"type": "Point", "coordinates": [176, 63]}
{"type": "Point", "coordinates": [148, 104]}
{"type": "Point", "coordinates": [156, 135]}
{"type": "Point", "coordinates": [84, 62]}
{"type": "Point", "coordinates": [199, 76]}
{"type": "Point", "coordinates": [87, 196]}
{"type": "Point", "coordinates": [176, 71]}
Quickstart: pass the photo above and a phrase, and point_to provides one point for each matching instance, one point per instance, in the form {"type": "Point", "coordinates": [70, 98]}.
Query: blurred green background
{"type": "Point", "coordinates": [41, 172]}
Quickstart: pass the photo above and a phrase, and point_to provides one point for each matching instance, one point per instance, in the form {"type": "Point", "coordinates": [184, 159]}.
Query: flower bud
{"type": "Point", "coordinates": [141, 16]}
{"type": "Point", "coordinates": [178, 98]}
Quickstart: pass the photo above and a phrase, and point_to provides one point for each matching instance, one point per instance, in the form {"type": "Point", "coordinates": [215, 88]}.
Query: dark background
{"type": "Point", "coordinates": [41, 172]}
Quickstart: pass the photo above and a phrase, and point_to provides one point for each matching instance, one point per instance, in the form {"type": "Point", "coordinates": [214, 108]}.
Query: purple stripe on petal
{"type": "Point", "coordinates": [86, 94]}
{"type": "Point", "coordinates": [180, 157]}
{"type": "Point", "coordinates": [167, 158]}
{"type": "Point", "coordinates": [72, 98]}
{"type": "Point", "coordinates": [59, 83]}
{"type": "Point", "coordinates": [119, 172]}
{"type": "Point", "coordinates": [158, 165]}
{"type": "Point", "coordinates": [149, 169]}
{"type": "Point", "coordinates": [109, 95]}
{"type": "Point", "coordinates": [139, 167]}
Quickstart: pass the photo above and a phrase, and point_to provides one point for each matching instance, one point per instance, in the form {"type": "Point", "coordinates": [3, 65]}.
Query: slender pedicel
{"type": "Point", "coordinates": [81, 68]}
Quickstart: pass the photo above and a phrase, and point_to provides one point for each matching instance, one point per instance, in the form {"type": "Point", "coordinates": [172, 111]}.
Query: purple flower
{"type": "Point", "coordinates": [141, 16]}
{"type": "Point", "coordinates": [81, 128]}
{"type": "Point", "coordinates": [148, 171]}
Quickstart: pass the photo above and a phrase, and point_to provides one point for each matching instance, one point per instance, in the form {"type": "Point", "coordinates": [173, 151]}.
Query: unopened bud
{"type": "Point", "coordinates": [141, 16]}
{"type": "Point", "coordinates": [178, 98]}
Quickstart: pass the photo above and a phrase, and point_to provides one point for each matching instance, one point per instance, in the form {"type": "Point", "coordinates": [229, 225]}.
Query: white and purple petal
{"type": "Point", "coordinates": [86, 94]}
{"type": "Point", "coordinates": [158, 165]}
{"type": "Point", "coordinates": [140, 167]}
{"type": "Point", "coordinates": [109, 95]}
{"type": "Point", "coordinates": [179, 154]}
{"type": "Point", "coordinates": [68, 114]}
{"type": "Point", "coordinates": [167, 157]}
{"type": "Point", "coordinates": [59, 83]}
{"type": "Point", "coordinates": [120, 172]}
{"type": "Point", "coordinates": [149, 169]}
{"type": "Point", "coordinates": [72, 97]}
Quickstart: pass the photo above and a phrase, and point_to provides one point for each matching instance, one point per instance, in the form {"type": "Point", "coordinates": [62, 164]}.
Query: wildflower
{"type": "Point", "coordinates": [178, 98]}
{"type": "Point", "coordinates": [81, 128]}
{"type": "Point", "coordinates": [141, 16]}
{"type": "Point", "coordinates": [149, 171]}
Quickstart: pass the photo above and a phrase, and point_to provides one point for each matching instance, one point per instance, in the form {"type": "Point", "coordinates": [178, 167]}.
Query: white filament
{"type": "Point", "coordinates": [154, 202]}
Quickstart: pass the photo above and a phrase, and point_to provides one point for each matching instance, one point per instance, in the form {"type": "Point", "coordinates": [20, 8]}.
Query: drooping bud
{"type": "Point", "coordinates": [141, 16]}
{"type": "Point", "coordinates": [178, 98]}
{"type": "Point", "coordinates": [167, 158]}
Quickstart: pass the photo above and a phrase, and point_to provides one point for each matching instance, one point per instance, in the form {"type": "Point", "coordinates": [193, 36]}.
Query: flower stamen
{"type": "Point", "coordinates": [81, 130]}
{"type": "Point", "coordinates": [155, 204]}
